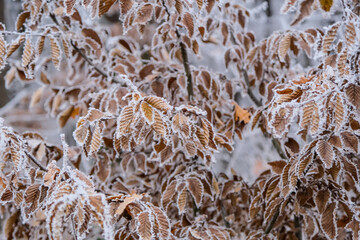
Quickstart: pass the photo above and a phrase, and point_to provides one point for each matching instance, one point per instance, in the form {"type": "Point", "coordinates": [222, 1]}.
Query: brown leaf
{"type": "Point", "coordinates": [65, 115]}
{"type": "Point", "coordinates": [326, 153]}
{"type": "Point", "coordinates": [96, 138]}
{"type": "Point", "coordinates": [321, 199]}
{"type": "Point", "coordinates": [32, 195]}
{"type": "Point", "coordinates": [168, 194]}
{"type": "Point", "coordinates": [304, 11]}
{"type": "Point", "coordinates": [350, 34]}
{"type": "Point", "coordinates": [179, 6]}
{"type": "Point", "coordinates": [144, 14]}
{"type": "Point", "coordinates": [36, 97]}
{"type": "Point", "coordinates": [181, 200]}
{"type": "Point", "coordinates": [188, 22]}
{"type": "Point", "coordinates": [350, 141]}
{"type": "Point", "coordinates": [69, 5]}
{"type": "Point", "coordinates": [91, 34]}
{"type": "Point", "coordinates": [144, 227]}
{"type": "Point", "coordinates": [277, 166]}
{"type": "Point", "coordinates": [284, 46]}
{"type": "Point", "coordinates": [21, 19]}
{"type": "Point", "coordinates": [196, 189]}
{"type": "Point", "coordinates": [163, 223]}
{"type": "Point", "coordinates": [353, 95]}
{"type": "Point", "coordinates": [2, 51]}
{"type": "Point", "coordinates": [241, 114]}
{"type": "Point", "coordinates": [55, 53]}
{"type": "Point", "coordinates": [158, 103]}
{"type": "Point", "coordinates": [310, 117]}
{"type": "Point", "coordinates": [339, 113]}
{"type": "Point", "coordinates": [104, 6]}
{"type": "Point", "coordinates": [80, 134]}
{"type": "Point", "coordinates": [328, 221]}
{"type": "Point", "coordinates": [147, 112]}
{"type": "Point", "coordinates": [159, 125]}
{"type": "Point", "coordinates": [125, 6]}
{"type": "Point", "coordinates": [125, 119]}
{"type": "Point", "coordinates": [133, 197]}
{"type": "Point", "coordinates": [200, 3]}
{"type": "Point", "coordinates": [15, 44]}
{"type": "Point", "coordinates": [28, 53]}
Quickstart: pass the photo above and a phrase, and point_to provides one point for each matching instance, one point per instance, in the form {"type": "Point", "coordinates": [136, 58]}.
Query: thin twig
{"type": "Point", "coordinates": [34, 160]}
{"type": "Point", "coordinates": [102, 73]}
{"type": "Point", "coordinates": [185, 58]}
{"type": "Point", "coordinates": [258, 103]}
{"type": "Point", "coordinates": [88, 60]}
{"type": "Point", "coordinates": [29, 34]}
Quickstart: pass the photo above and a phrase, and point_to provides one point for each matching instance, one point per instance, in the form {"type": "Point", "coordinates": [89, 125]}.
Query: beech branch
{"type": "Point", "coordinates": [88, 60]}
{"type": "Point", "coordinates": [258, 103]}
{"type": "Point", "coordinates": [35, 161]}
{"type": "Point", "coordinates": [185, 58]}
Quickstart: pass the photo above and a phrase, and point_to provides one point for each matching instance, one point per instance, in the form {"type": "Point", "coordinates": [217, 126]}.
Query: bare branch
{"type": "Point", "coordinates": [184, 56]}
{"type": "Point", "coordinates": [34, 160]}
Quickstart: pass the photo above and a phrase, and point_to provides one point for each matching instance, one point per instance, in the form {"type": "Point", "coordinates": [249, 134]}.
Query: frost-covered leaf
{"type": "Point", "coordinates": [188, 22]}
{"type": "Point", "coordinates": [196, 189]}
{"type": "Point", "coordinates": [145, 226]}
{"type": "Point", "coordinates": [328, 221]}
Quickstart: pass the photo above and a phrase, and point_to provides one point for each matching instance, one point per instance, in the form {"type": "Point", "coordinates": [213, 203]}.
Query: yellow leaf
{"type": "Point", "coordinates": [241, 114]}
{"type": "Point", "coordinates": [326, 4]}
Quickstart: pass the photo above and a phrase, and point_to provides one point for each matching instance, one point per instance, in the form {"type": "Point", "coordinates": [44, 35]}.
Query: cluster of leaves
{"type": "Point", "coordinates": [150, 119]}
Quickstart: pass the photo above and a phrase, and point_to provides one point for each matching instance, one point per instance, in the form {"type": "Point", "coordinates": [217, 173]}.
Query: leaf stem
{"type": "Point", "coordinates": [34, 160]}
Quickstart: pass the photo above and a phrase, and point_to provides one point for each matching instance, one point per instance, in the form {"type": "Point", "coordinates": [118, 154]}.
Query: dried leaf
{"type": "Point", "coordinates": [353, 95]}
{"type": "Point", "coordinates": [21, 19]}
{"type": "Point", "coordinates": [158, 103]}
{"type": "Point", "coordinates": [181, 200]}
{"type": "Point", "coordinates": [96, 138]}
{"type": "Point", "coordinates": [304, 11]}
{"type": "Point", "coordinates": [284, 46]}
{"type": "Point", "coordinates": [125, 6]}
{"type": "Point", "coordinates": [104, 6]}
{"type": "Point", "coordinates": [350, 34]}
{"type": "Point", "coordinates": [145, 227]}
{"type": "Point", "coordinates": [55, 53]}
{"type": "Point", "coordinates": [188, 22]}
{"type": "Point", "coordinates": [69, 5]}
{"type": "Point", "coordinates": [65, 115]}
{"type": "Point", "coordinates": [326, 153]}
{"type": "Point", "coordinates": [350, 141]}
{"type": "Point", "coordinates": [196, 189]}
{"type": "Point", "coordinates": [147, 112]}
{"type": "Point", "coordinates": [15, 44]}
{"type": "Point", "coordinates": [241, 114]}
{"type": "Point", "coordinates": [328, 223]}
{"type": "Point", "coordinates": [125, 119]}
{"type": "Point", "coordinates": [326, 5]}
{"type": "Point", "coordinates": [28, 53]}
{"type": "Point", "coordinates": [144, 14]}
{"type": "Point", "coordinates": [321, 199]}
{"type": "Point", "coordinates": [339, 113]}
{"type": "Point", "coordinates": [310, 117]}
{"type": "Point", "coordinates": [168, 194]}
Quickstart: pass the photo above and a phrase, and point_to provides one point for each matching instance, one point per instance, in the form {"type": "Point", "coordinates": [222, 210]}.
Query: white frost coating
{"type": "Point", "coordinates": [66, 151]}
{"type": "Point", "coordinates": [196, 110]}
